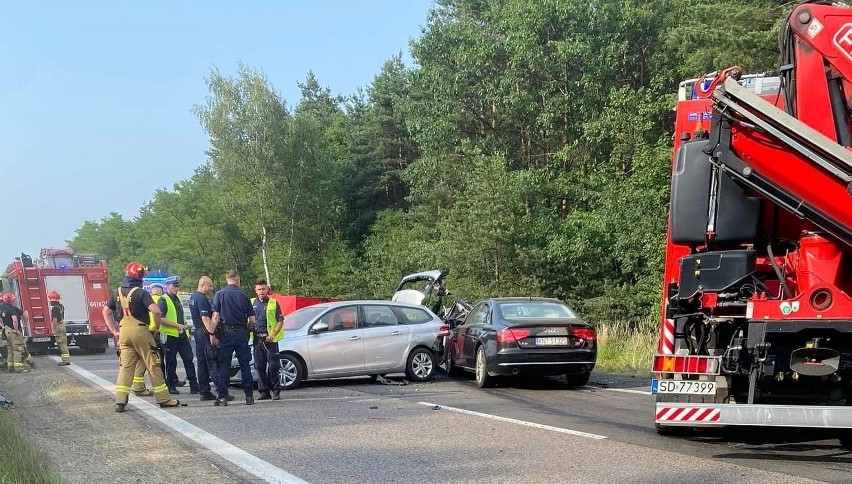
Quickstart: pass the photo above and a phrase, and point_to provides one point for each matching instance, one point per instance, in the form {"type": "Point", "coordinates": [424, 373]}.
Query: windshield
{"type": "Point", "coordinates": [301, 317]}
{"type": "Point", "coordinates": [535, 309]}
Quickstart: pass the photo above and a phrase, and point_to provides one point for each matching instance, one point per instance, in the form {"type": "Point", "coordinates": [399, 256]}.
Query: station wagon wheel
{"type": "Point", "coordinates": [421, 365]}
{"type": "Point", "coordinates": [483, 380]}
{"type": "Point", "coordinates": [291, 373]}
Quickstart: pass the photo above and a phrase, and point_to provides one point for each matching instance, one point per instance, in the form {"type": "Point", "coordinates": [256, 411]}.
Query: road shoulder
{"type": "Point", "coordinates": [77, 427]}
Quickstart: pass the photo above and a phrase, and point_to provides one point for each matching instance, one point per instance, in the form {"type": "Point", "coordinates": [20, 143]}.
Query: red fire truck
{"type": "Point", "coordinates": [82, 282]}
{"type": "Point", "coordinates": [757, 313]}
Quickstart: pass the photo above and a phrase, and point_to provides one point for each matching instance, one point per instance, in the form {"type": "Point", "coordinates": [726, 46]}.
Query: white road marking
{"type": "Point", "coordinates": [622, 390]}
{"type": "Point", "coordinates": [518, 422]}
{"type": "Point", "coordinates": [251, 464]}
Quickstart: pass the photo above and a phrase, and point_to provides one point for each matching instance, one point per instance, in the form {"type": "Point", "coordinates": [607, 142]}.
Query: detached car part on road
{"type": "Point", "coordinates": [352, 338]}
{"type": "Point", "coordinates": [522, 336]}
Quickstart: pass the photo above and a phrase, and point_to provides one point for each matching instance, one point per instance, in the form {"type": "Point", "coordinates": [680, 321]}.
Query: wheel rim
{"type": "Point", "coordinates": [288, 372]}
{"type": "Point", "coordinates": [421, 365]}
{"type": "Point", "coordinates": [480, 365]}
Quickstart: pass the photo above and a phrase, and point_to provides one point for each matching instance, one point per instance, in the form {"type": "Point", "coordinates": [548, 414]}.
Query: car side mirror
{"type": "Point", "coordinates": [319, 328]}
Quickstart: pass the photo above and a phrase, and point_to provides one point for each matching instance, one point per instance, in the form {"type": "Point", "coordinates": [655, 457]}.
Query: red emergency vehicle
{"type": "Point", "coordinates": [82, 282]}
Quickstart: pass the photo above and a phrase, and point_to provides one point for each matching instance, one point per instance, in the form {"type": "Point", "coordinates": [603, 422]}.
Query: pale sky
{"type": "Point", "coordinates": [96, 97]}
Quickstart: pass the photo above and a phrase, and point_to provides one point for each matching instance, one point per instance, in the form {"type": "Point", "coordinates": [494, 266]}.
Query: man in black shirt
{"type": "Point", "coordinates": [57, 319]}
{"type": "Point", "coordinates": [135, 340]}
{"type": "Point", "coordinates": [208, 365]}
{"type": "Point", "coordinates": [232, 309]}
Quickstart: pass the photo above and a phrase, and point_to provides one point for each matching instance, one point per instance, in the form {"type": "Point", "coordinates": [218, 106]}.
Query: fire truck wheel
{"type": "Point", "coordinates": [672, 430]}
{"type": "Point", "coordinates": [846, 440]}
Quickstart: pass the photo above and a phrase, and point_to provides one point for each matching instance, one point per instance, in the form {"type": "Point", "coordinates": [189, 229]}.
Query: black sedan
{"type": "Point", "coordinates": [522, 336]}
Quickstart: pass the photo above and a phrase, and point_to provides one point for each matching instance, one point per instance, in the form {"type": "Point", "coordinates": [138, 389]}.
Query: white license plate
{"type": "Point", "coordinates": [683, 387]}
{"type": "Point", "coordinates": [41, 340]}
{"type": "Point", "coordinates": [553, 341]}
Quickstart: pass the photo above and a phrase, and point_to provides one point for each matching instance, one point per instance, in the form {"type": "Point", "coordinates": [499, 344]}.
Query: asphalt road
{"type": "Point", "coordinates": [354, 430]}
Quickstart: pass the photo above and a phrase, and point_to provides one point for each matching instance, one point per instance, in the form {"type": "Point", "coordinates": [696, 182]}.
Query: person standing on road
{"type": "Point", "coordinates": [267, 332]}
{"type": "Point", "coordinates": [57, 320]}
{"type": "Point", "coordinates": [201, 310]}
{"type": "Point", "coordinates": [232, 309]}
{"type": "Point", "coordinates": [135, 340]}
{"type": "Point", "coordinates": [177, 341]}
{"type": "Point", "coordinates": [12, 322]}
{"type": "Point", "coordinates": [4, 347]}
{"type": "Point", "coordinates": [138, 386]}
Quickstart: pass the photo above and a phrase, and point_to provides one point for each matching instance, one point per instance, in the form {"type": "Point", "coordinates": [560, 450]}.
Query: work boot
{"type": "Point", "coordinates": [221, 402]}
{"type": "Point", "coordinates": [207, 397]}
{"type": "Point", "coordinates": [170, 403]}
{"type": "Point", "coordinates": [276, 395]}
{"type": "Point", "coordinates": [173, 391]}
{"type": "Point", "coordinates": [249, 400]}
{"type": "Point", "coordinates": [264, 396]}
{"type": "Point", "coordinates": [64, 363]}
{"type": "Point", "coordinates": [180, 383]}
{"type": "Point", "coordinates": [119, 407]}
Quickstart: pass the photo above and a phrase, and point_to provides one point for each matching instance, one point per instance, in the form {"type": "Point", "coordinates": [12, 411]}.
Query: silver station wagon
{"type": "Point", "coordinates": [351, 338]}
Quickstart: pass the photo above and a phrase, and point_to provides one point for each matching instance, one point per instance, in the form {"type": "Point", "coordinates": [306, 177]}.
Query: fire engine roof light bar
{"type": "Point", "coordinates": [732, 96]}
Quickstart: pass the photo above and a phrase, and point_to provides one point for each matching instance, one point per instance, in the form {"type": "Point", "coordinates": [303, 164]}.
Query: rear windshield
{"type": "Point", "coordinates": [535, 309]}
{"type": "Point", "coordinates": [301, 317]}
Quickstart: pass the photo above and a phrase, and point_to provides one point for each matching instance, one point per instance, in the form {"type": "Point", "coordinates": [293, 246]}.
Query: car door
{"type": "Point", "coordinates": [469, 334]}
{"type": "Point", "coordinates": [340, 350]}
{"type": "Point", "coordinates": [386, 341]}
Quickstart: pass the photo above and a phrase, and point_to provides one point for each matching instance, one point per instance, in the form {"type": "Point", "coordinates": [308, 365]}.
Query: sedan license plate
{"type": "Point", "coordinates": [683, 387]}
{"type": "Point", "coordinates": [552, 341]}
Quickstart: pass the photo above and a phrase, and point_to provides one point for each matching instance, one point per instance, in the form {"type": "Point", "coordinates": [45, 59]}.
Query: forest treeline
{"type": "Point", "coordinates": [528, 150]}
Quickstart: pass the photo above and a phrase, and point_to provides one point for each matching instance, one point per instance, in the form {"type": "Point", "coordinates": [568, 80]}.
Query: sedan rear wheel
{"type": "Point", "coordinates": [291, 373]}
{"type": "Point", "coordinates": [421, 365]}
{"type": "Point", "coordinates": [483, 380]}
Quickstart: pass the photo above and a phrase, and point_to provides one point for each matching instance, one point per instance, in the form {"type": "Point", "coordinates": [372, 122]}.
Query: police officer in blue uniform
{"type": "Point", "coordinates": [202, 311]}
{"type": "Point", "coordinates": [232, 311]}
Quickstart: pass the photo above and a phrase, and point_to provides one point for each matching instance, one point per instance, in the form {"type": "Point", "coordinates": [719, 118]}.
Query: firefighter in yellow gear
{"type": "Point", "coordinates": [138, 386]}
{"type": "Point", "coordinates": [11, 315]}
{"type": "Point", "coordinates": [134, 339]}
{"type": "Point", "coordinates": [57, 320]}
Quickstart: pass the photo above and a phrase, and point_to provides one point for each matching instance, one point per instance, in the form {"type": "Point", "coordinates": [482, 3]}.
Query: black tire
{"type": "Point", "coordinates": [483, 379]}
{"type": "Point", "coordinates": [452, 369]}
{"type": "Point", "coordinates": [421, 365]}
{"type": "Point", "coordinates": [671, 430]}
{"type": "Point", "coordinates": [292, 373]}
{"type": "Point", "coordinates": [577, 380]}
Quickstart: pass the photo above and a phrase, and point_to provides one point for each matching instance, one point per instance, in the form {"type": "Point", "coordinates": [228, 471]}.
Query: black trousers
{"type": "Point", "coordinates": [230, 343]}
{"type": "Point", "coordinates": [268, 364]}
{"type": "Point", "coordinates": [208, 361]}
{"type": "Point", "coordinates": [172, 347]}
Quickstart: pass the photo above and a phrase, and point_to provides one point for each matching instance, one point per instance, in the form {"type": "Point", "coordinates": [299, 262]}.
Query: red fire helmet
{"type": "Point", "coordinates": [53, 296]}
{"type": "Point", "coordinates": [135, 270]}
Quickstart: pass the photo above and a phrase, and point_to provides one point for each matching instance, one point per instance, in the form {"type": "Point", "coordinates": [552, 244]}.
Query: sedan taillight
{"type": "Point", "coordinates": [511, 335]}
{"type": "Point", "coordinates": [588, 334]}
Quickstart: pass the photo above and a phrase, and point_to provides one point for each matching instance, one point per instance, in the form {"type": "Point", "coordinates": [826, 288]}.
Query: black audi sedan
{"type": "Point", "coordinates": [522, 336]}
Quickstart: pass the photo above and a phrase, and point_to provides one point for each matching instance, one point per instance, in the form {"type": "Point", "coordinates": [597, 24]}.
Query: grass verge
{"type": "Point", "coordinates": [624, 349]}
{"type": "Point", "coordinates": [20, 462]}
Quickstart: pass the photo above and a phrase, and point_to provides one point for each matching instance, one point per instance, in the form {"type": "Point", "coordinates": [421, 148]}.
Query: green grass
{"type": "Point", "coordinates": [20, 462]}
{"type": "Point", "coordinates": [625, 349]}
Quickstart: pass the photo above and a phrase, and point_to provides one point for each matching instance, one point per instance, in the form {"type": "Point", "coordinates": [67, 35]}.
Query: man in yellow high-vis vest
{"type": "Point", "coordinates": [176, 339]}
{"type": "Point", "coordinates": [268, 331]}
